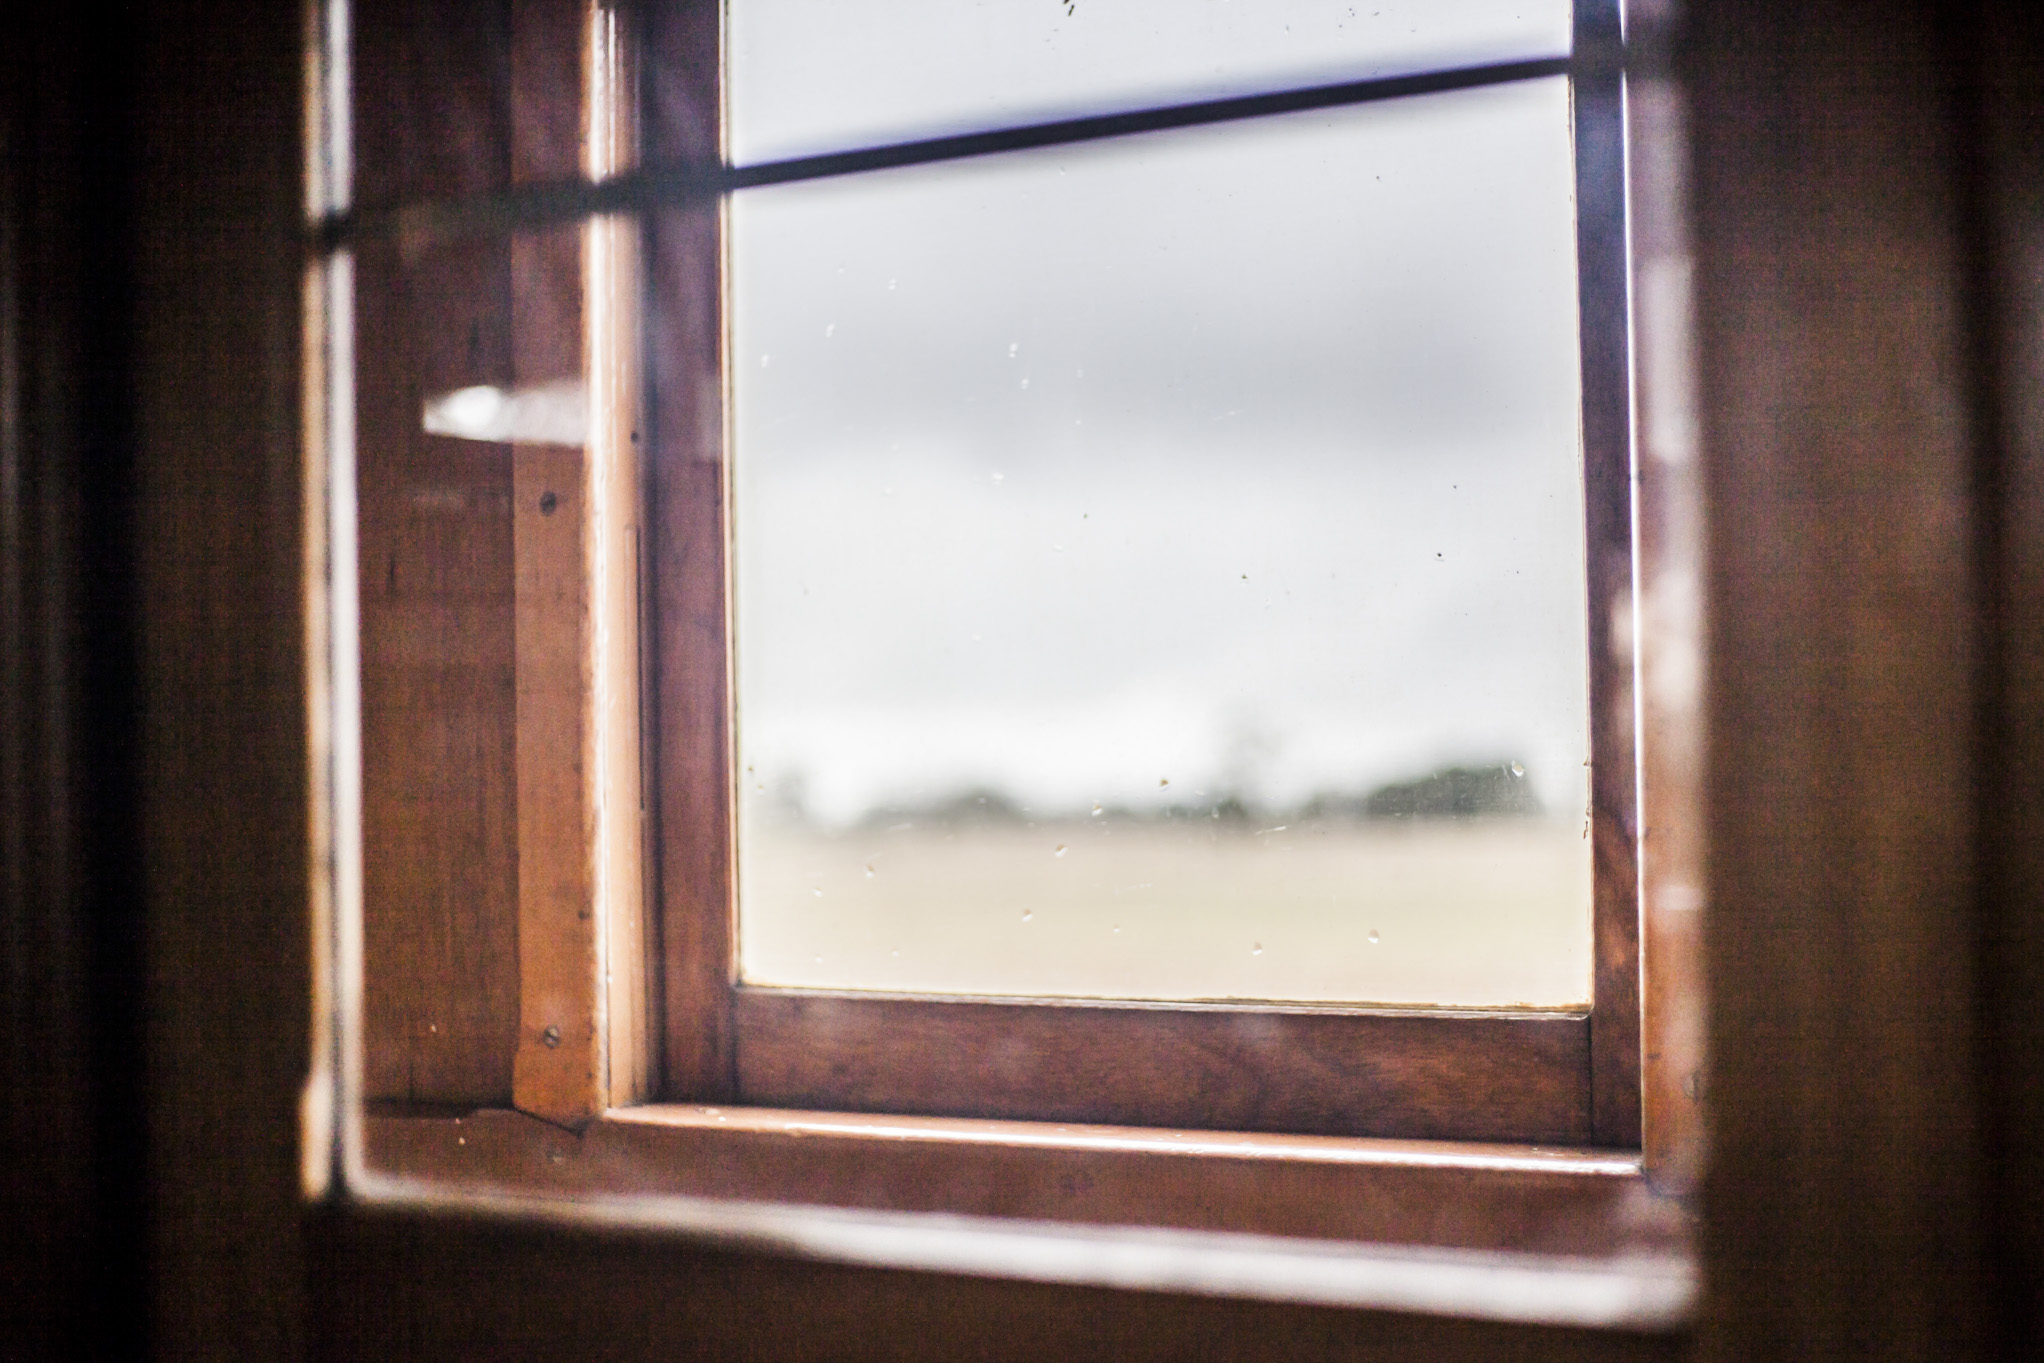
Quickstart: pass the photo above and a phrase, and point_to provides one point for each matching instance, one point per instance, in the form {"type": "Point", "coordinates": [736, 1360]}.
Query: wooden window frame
{"type": "Point", "coordinates": [1569, 1076]}
{"type": "Point", "coordinates": [1336, 1124]}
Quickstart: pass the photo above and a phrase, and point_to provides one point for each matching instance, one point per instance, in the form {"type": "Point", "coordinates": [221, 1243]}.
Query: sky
{"type": "Point", "coordinates": [1240, 459]}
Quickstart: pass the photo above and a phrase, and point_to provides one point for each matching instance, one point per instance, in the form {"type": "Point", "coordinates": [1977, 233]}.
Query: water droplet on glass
{"type": "Point", "coordinates": [765, 360]}
{"type": "Point", "coordinates": [1028, 914]}
{"type": "Point", "coordinates": [1056, 547]}
{"type": "Point", "coordinates": [1373, 937]}
{"type": "Point", "coordinates": [891, 283]}
{"type": "Point", "coordinates": [1013, 346]}
{"type": "Point", "coordinates": [1163, 781]}
{"type": "Point", "coordinates": [1097, 811]}
{"type": "Point", "coordinates": [1025, 383]}
{"type": "Point", "coordinates": [869, 870]}
{"type": "Point", "coordinates": [819, 960]}
{"type": "Point", "coordinates": [1518, 770]}
{"type": "Point", "coordinates": [1256, 949]}
{"type": "Point", "coordinates": [829, 330]}
{"type": "Point", "coordinates": [999, 477]}
{"type": "Point", "coordinates": [1060, 850]}
{"type": "Point", "coordinates": [817, 891]}
{"type": "Point", "coordinates": [1117, 927]}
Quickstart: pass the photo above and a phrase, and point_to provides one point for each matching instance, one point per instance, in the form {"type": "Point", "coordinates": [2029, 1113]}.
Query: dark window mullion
{"type": "Point", "coordinates": [556, 202]}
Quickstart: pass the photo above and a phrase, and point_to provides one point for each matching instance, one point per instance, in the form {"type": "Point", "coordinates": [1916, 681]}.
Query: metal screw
{"type": "Point", "coordinates": [547, 503]}
{"type": "Point", "coordinates": [551, 1036]}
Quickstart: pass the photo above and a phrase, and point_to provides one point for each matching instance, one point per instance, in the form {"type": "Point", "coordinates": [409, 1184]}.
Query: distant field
{"type": "Point", "coordinates": [1478, 912]}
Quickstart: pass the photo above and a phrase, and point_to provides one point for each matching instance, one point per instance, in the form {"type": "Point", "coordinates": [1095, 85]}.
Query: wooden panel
{"type": "Point", "coordinates": [1843, 1191]}
{"type": "Point", "coordinates": [689, 727]}
{"type": "Point", "coordinates": [1435, 1076]}
{"type": "Point", "coordinates": [440, 876]}
{"type": "Point", "coordinates": [218, 915]}
{"type": "Point", "coordinates": [1607, 523]}
{"type": "Point", "coordinates": [1521, 1199]}
{"type": "Point", "coordinates": [438, 742]}
{"type": "Point", "coordinates": [2010, 44]}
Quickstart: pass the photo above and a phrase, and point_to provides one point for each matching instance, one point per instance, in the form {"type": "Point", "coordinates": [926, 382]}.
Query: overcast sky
{"type": "Point", "coordinates": [1244, 456]}
{"type": "Point", "coordinates": [823, 75]}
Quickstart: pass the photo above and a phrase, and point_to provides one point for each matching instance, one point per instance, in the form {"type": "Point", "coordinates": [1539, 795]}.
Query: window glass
{"type": "Point", "coordinates": [1159, 566]}
{"type": "Point", "coordinates": [814, 75]}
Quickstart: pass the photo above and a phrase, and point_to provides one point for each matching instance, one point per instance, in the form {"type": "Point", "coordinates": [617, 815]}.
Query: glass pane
{"type": "Point", "coordinates": [811, 75]}
{"type": "Point", "coordinates": [1159, 566]}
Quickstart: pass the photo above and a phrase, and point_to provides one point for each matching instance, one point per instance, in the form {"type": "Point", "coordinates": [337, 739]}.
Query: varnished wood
{"type": "Point", "coordinates": [1845, 1217]}
{"type": "Point", "coordinates": [1244, 1068]}
{"type": "Point", "coordinates": [450, 1288]}
{"type": "Point", "coordinates": [1521, 1199]}
{"type": "Point", "coordinates": [440, 996]}
{"type": "Point", "coordinates": [1602, 286]}
{"type": "Point", "coordinates": [1671, 661]}
{"type": "Point", "coordinates": [689, 727]}
{"type": "Point", "coordinates": [2009, 483]}
{"type": "Point", "coordinates": [1842, 1141]}
{"type": "Point", "coordinates": [563, 1036]}
{"type": "Point", "coordinates": [583, 1040]}
{"type": "Point", "coordinates": [613, 286]}
{"type": "Point", "coordinates": [722, 1041]}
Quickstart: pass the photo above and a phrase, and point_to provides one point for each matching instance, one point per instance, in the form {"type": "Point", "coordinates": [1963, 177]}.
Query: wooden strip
{"type": "Point", "coordinates": [613, 287]}
{"type": "Point", "coordinates": [691, 721]}
{"type": "Point", "coordinates": [563, 1036]}
{"type": "Point", "coordinates": [584, 1040]}
{"type": "Point", "coordinates": [2010, 483]}
{"type": "Point", "coordinates": [1326, 1071]}
{"type": "Point", "coordinates": [1671, 646]}
{"type": "Point", "coordinates": [1485, 1197]}
{"type": "Point", "coordinates": [1607, 485]}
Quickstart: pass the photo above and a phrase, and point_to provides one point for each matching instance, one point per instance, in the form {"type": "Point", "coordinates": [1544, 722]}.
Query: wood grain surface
{"type": "Point", "coordinates": [439, 744]}
{"type": "Point", "coordinates": [1244, 1068]}
{"type": "Point", "coordinates": [689, 726]}
{"type": "Point", "coordinates": [1458, 1195]}
{"type": "Point", "coordinates": [1602, 280]}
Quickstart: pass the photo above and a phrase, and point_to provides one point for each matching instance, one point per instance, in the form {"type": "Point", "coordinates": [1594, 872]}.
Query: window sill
{"type": "Point", "coordinates": [1524, 1233]}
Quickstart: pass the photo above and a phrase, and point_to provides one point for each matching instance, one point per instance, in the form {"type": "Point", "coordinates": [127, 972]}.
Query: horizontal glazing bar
{"type": "Point", "coordinates": [560, 201]}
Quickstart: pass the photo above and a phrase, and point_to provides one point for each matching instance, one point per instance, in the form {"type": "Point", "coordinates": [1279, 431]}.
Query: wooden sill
{"type": "Point", "coordinates": [1463, 1208]}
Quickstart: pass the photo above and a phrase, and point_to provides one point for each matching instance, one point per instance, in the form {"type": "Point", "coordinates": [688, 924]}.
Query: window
{"type": "Point", "coordinates": [883, 326]}
{"type": "Point", "coordinates": [547, 505]}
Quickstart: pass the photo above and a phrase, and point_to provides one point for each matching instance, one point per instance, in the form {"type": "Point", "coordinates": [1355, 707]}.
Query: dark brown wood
{"type": "Point", "coordinates": [1602, 281]}
{"type": "Point", "coordinates": [1843, 1191]}
{"type": "Point", "coordinates": [73, 1196]}
{"type": "Point", "coordinates": [1837, 1218]}
{"type": "Point", "coordinates": [689, 727]}
{"type": "Point", "coordinates": [404, 1287]}
{"type": "Point", "coordinates": [1518, 1199]}
{"type": "Point", "coordinates": [2009, 42]}
{"type": "Point", "coordinates": [439, 736]}
{"type": "Point", "coordinates": [1671, 661]}
{"type": "Point", "coordinates": [215, 311]}
{"type": "Point", "coordinates": [1220, 1067]}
